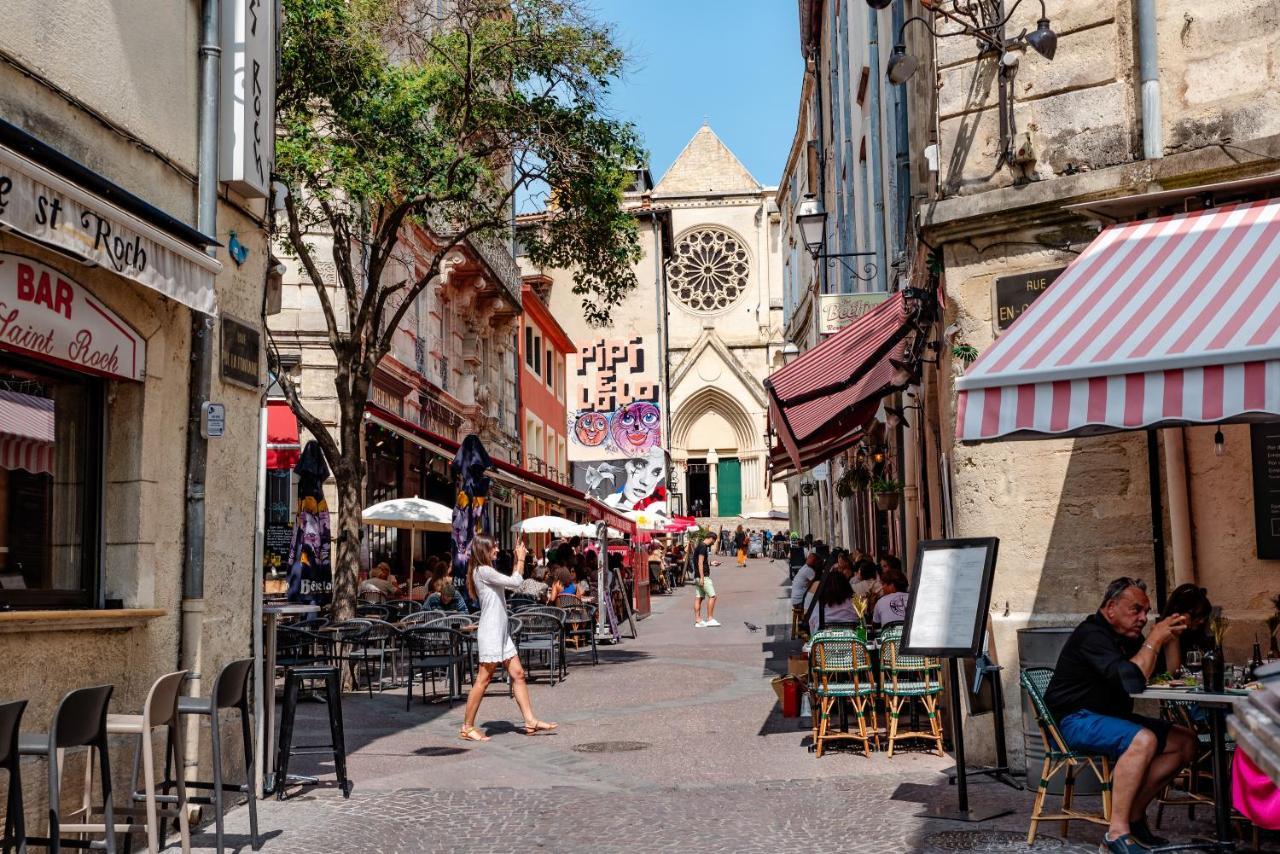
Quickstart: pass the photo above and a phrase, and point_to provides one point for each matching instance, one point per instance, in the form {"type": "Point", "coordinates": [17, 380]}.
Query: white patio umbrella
{"type": "Point", "coordinates": [556, 525]}
{"type": "Point", "coordinates": [411, 514]}
{"type": "Point", "coordinates": [778, 515]}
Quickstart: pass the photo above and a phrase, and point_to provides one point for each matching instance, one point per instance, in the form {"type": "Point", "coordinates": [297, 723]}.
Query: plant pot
{"type": "Point", "coordinates": [887, 501]}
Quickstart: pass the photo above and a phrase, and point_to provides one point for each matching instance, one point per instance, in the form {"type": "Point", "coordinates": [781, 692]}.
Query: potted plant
{"type": "Point", "coordinates": [887, 493]}
{"type": "Point", "coordinates": [852, 481]}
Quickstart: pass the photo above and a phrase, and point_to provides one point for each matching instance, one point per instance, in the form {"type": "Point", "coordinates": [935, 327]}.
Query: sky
{"type": "Point", "coordinates": [733, 63]}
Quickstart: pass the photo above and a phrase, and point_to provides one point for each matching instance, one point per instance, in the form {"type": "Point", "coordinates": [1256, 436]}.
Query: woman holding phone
{"type": "Point", "coordinates": [493, 641]}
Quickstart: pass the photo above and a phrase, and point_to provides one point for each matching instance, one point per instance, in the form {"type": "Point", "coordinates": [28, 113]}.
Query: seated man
{"type": "Point", "coordinates": [800, 583]}
{"type": "Point", "coordinates": [1104, 661]}
{"type": "Point", "coordinates": [379, 582]}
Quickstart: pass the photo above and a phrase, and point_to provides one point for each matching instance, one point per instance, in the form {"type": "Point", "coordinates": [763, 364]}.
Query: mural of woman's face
{"type": "Point", "coordinates": [644, 476]}
{"type": "Point", "coordinates": [591, 428]}
{"type": "Point", "coordinates": [637, 427]}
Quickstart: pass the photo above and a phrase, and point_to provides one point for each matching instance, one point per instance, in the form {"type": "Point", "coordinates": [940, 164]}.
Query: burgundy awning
{"type": "Point", "coordinates": [819, 404]}
{"type": "Point", "coordinates": [283, 446]}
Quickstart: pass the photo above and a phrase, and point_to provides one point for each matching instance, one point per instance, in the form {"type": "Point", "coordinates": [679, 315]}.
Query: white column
{"type": "Point", "coordinates": [713, 464]}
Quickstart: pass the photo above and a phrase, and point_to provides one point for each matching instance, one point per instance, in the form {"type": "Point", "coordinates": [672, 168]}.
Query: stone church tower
{"type": "Point", "coordinates": [696, 337]}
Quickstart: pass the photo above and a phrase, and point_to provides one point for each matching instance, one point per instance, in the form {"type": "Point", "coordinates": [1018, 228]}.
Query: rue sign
{"type": "Point", "coordinates": [47, 315]}
{"type": "Point", "coordinates": [1013, 294]}
{"type": "Point", "coordinates": [248, 63]}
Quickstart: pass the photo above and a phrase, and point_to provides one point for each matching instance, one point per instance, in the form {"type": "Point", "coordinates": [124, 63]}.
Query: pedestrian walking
{"type": "Point", "coordinates": [493, 640]}
{"type": "Point", "coordinates": [740, 545]}
{"type": "Point", "coordinates": [702, 586]}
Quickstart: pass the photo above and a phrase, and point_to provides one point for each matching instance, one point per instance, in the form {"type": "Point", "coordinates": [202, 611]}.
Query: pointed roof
{"type": "Point", "coordinates": [706, 165]}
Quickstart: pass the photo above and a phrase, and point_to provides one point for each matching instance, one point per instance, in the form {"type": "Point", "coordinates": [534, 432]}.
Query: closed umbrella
{"type": "Point", "coordinates": [411, 514]}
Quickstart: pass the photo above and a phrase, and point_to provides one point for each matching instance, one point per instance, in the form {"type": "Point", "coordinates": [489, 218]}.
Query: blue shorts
{"type": "Point", "coordinates": [1090, 732]}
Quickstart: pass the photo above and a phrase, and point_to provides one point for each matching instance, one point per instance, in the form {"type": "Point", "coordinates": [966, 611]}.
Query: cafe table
{"type": "Point", "coordinates": [1216, 706]}
{"type": "Point", "coordinates": [271, 613]}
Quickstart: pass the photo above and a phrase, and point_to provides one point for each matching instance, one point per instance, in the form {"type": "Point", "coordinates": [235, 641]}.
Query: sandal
{"type": "Point", "coordinates": [470, 733]}
{"type": "Point", "coordinates": [539, 728]}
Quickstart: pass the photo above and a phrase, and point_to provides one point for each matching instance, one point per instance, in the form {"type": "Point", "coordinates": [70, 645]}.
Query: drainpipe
{"type": "Point", "coordinates": [1175, 466]}
{"type": "Point", "coordinates": [1149, 68]}
{"type": "Point", "coordinates": [192, 631]}
{"type": "Point", "coordinates": [877, 170]}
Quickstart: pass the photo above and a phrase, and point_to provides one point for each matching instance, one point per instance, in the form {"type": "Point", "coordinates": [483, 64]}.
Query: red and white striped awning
{"type": "Point", "coordinates": [819, 404]}
{"type": "Point", "coordinates": [1165, 321]}
{"type": "Point", "coordinates": [26, 432]}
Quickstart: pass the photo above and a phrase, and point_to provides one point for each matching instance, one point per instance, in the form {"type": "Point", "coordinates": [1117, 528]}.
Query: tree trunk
{"type": "Point", "coordinates": [349, 475]}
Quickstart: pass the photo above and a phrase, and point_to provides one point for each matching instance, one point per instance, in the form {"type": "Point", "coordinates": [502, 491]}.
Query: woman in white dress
{"type": "Point", "coordinates": [492, 638]}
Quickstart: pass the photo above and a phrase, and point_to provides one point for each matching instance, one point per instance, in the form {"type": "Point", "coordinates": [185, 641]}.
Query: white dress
{"type": "Point", "coordinates": [493, 641]}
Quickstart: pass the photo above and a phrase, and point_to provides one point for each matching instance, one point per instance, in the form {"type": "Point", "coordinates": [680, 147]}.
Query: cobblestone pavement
{"type": "Point", "coordinates": [707, 762]}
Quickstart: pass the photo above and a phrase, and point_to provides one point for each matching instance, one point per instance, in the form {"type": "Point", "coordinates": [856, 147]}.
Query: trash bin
{"type": "Point", "coordinates": [1040, 647]}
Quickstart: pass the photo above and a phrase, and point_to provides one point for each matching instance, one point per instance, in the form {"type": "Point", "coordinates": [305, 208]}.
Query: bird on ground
{"type": "Point", "coordinates": [751, 627]}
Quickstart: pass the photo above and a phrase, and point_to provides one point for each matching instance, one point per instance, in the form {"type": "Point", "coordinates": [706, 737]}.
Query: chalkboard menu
{"type": "Point", "coordinates": [278, 532]}
{"type": "Point", "coordinates": [1264, 440]}
{"type": "Point", "coordinates": [1014, 294]}
{"type": "Point", "coordinates": [950, 595]}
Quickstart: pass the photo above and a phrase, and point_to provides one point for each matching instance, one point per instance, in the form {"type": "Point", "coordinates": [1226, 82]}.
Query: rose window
{"type": "Point", "coordinates": [709, 270]}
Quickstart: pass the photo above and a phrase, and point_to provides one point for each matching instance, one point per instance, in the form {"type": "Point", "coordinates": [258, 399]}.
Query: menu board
{"type": "Point", "coordinates": [949, 597]}
{"type": "Point", "coordinates": [1264, 440]}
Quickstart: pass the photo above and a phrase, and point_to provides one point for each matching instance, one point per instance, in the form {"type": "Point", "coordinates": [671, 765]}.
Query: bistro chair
{"type": "Point", "coordinates": [904, 678]}
{"type": "Point", "coordinates": [159, 711]}
{"type": "Point", "coordinates": [346, 637]}
{"type": "Point", "coordinates": [1185, 790]}
{"type": "Point", "coordinates": [15, 829]}
{"type": "Point", "coordinates": [230, 691]}
{"type": "Point", "coordinates": [519, 601]}
{"type": "Point", "coordinates": [79, 721]}
{"type": "Point", "coordinates": [399, 609]}
{"type": "Point", "coordinates": [377, 644]}
{"type": "Point", "coordinates": [1058, 757]}
{"type": "Point", "coordinates": [580, 628]}
{"type": "Point", "coordinates": [420, 618]}
{"type": "Point", "coordinates": [374, 611]}
{"type": "Point", "coordinates": [430, 650]}
{"type": "Point", "coordinates": [373, 597]}
{"type": "Point", "coordinates": [840, 669]}
{"type": "Point", "coordinates": [543, 632]}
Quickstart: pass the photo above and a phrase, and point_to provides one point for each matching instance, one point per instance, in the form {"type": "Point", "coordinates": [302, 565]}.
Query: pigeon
{"type": "Point", "coordinates": [751, 627]}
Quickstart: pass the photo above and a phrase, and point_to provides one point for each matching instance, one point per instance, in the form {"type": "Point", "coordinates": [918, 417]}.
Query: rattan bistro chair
{"type": "Point", "coordinates": [904, 678]}
{"type": "Point", "coordinates": [15, 830]}
{"type": "Point", "coordinates": [1059, 757]}
{"type": "Point", "coordinates": [840, 669]}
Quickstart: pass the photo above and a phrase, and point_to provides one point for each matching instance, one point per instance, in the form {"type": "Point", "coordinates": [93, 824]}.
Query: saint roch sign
{"type": "Point", "coordinates": [248, 63]}
{"type": "Point", "coordinates": [46, 315]}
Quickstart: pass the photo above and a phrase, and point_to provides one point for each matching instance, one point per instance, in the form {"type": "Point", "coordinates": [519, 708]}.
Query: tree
{"type": "Point", "coordinates": [391, 115]}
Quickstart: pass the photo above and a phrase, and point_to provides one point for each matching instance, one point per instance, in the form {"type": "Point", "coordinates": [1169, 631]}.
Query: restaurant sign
{"type": "Point", "coordinates": [1013, 294]}
{"type": "Point", "coordinates": [836, 311]}
{"type": "Point", "coordinates": [248, 62]}
{"type": "Point", "coordinates": [46, 315]}
{"type": "Point", "coordinates": [38, 204]}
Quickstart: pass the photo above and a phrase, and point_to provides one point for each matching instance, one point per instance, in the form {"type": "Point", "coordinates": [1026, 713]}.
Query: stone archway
{"type": "Point", "coordinates": [727, 449]}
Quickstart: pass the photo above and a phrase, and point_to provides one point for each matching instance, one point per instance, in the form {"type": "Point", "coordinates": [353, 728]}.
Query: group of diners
{"type": "Point", "coordinates": [826, 588]}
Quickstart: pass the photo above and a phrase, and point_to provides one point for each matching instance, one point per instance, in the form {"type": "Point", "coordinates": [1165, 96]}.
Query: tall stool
{"type": "Point", "coordinates": [79, 721]}
{"type": "Point", "coordinates": [159, 710]}
{"type": "Point", "coordinates": [15, 828]}
{"type": "Point", "coordinates": [229, 691]}
{"type": "Point", "coordinates": [337, 747]}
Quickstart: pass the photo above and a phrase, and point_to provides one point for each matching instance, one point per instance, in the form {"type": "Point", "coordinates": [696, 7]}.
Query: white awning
{"type": "Point", "coordinates": [43, 206]}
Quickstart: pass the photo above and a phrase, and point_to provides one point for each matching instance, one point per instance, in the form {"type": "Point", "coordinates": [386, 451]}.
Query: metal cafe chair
{"type": "Point", "coordinates": [543, 632]}
{"type": "Point", "coordinates": [79, 721]}
{"type": "Point", "coordinates": [376, 645]}
{"type": "Point", "coordinates": [15, 829]}
{"type": "Point", "coordinates": [840, 669]}
{"type": "Point", "coordinates": [1059, 758]}
{"type": "Point", "coordinates": [430, 650]}
{"type": "Point", "coordinates": [580, 628]}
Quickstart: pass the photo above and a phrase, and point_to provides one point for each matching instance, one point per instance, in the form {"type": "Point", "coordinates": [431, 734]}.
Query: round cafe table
{"type": "Point", "coordinates": [271, 614]}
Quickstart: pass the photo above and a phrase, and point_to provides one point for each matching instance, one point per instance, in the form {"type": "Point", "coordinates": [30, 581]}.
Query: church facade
{"type": "Point", "coordinates": [666, 407]}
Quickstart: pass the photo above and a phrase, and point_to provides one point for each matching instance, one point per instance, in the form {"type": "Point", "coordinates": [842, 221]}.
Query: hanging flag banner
{"type": "Point", "coordinates": [310, 570]}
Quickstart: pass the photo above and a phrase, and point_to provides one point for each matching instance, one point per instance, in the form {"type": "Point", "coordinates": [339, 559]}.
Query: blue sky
{"type": "Point", "coordinates": [734, 63]}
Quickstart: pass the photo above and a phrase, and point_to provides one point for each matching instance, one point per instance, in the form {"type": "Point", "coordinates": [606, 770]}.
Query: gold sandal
{"type": "Point", "coordinates": [539, 728]}
{"type": "Point", "coordinates": [470, 733]}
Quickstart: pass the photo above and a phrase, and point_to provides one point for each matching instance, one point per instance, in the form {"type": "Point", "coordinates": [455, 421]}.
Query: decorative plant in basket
{"type": "Point", "coordinates": [853, 480]}
{"type": "Point", "coordinates": [887, 493]}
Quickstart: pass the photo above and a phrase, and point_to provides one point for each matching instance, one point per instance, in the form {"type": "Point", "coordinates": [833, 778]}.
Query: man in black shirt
{"type": "Point", "coordinates": [1104, 661]}
{"type": "Point", "coordinates": [702, 586]}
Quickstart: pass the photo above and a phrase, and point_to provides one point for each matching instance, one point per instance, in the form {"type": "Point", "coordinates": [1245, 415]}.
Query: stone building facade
{"type": "Point", "coordinates": [1004, 206]}
{"type": "Point", "coordinates": [700, 332]}
{"type": "Point", "coordinates": [98, 114]}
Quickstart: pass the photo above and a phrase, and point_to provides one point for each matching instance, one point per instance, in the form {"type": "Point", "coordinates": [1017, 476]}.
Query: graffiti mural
{"type": "Point", "coordinates": [615, 409]}
{"type": "Point", "coordinates": [631, 483]}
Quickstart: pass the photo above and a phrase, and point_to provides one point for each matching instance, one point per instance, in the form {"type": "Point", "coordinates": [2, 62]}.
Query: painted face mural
{"type": "Point", "coordinates": [637, 427]}
{"type": "Point", "coordinates": [591, 428]}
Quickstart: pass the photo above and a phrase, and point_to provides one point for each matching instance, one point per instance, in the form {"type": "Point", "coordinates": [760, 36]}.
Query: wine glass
{"type": "Point", "coordinates": [1194, 660]}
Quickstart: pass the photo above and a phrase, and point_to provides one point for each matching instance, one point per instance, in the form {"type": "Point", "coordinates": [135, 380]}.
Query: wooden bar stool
{"type": "Point", "coordinates": [159, 711]}
{"type": "Point", "coordinates": [15, 829]}
{"type": "Point", "coordinates": [79, 721]}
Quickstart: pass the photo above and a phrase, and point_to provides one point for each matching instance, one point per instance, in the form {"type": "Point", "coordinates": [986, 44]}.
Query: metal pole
{"type": "Point", "coordinates": [1157, 518]}
{"type": "Point", "coordinates": [1149, 69]}
{"type": "Point", "coordinates": [877, 169]}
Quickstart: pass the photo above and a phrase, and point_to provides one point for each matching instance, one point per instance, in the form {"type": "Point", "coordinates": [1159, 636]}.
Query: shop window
{"type": "Point", "coordinates": [51, 429]}
{"type": "Point", "coordinates": [528, 346]}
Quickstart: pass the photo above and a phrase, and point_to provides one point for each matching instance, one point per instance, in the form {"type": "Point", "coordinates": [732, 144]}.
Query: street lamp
{"type": "Point", "coordinates": [811, 216]}
{"type": "Point", "coordinates": [789, 353]}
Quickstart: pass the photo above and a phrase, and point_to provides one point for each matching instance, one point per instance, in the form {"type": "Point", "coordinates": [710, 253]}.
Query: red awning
{"type": "Point", "coordinates": [819, 403]}
{"type": "Point", "coordinates": [1174, 320]}
{"type": "Point", "coordinates": [282, 436]}
{"type": "Point", "coordinates": [602, 512]}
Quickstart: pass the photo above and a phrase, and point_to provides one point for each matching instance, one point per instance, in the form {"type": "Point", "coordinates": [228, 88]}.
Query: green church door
{"type": "Point", "coordinates": [729, 483]}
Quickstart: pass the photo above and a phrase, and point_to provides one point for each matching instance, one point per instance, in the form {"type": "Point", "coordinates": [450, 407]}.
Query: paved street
{"type": "Point", "coordinates": [711, 766]}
